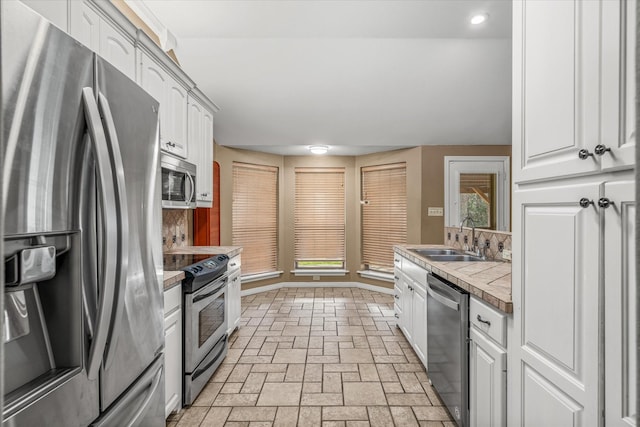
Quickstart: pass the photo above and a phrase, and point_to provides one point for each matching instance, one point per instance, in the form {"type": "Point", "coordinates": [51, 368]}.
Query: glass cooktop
{"type": "Point", "coordinates": [176, 262]}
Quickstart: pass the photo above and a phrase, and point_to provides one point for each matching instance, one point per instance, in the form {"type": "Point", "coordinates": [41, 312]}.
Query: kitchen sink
{"type": "Point", "coordinates": [454, 257]}
{"type": "Point", "coordinates": [430, 252]}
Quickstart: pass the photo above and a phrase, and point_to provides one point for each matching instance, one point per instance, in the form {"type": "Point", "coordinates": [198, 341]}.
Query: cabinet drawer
{"type": "Point", "coordinates": [235, 262]}
{"type": "Point", "coordinates": [414, 271]}
{"type": "Point", "coordinates": [397, 260]}
{"type": "Point", "coordinates": [489, 320]}
{"type": "Point", "coordinates": [397, 294]}
{"type": "Point", "coordinates": [172, 299]}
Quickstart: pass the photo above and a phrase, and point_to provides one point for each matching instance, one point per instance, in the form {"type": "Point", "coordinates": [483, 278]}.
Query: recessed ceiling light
{"type": "Point", "coordinates": [479, 19]}
{"type": "Point", "coordinates": [319, 149]}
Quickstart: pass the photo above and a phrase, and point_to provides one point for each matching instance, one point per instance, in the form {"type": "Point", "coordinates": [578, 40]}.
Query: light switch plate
{"type": "Point", "coordinates": [506, 254]}
{"type": "Point", "coordinates": [435, 212]}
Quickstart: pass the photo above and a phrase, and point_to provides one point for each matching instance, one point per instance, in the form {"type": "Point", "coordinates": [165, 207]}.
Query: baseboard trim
{"type": "Point", "coordinates": [276, 286]}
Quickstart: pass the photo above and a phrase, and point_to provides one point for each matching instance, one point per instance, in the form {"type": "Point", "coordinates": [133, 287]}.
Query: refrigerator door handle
{"type": "Point", "coordinates": [122, 219]}
{"type": "Point", "coordinates": [110, 241]}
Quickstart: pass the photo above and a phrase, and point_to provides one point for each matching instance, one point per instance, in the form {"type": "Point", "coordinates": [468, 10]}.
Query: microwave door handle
{"type": "Point", "coordinates": [109, 242]}
{"type": "Point", "coordinates": [122, 262]}
{"type": "Point", "coordinates": [193, 188]}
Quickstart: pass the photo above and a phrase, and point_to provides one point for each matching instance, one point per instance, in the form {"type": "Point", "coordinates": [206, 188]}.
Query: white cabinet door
{"type": "Point", "coordinates": [85, 25]}
{"type": "Point", "coordinates": [618, 83]}
{"type": "Point", "coordinates": [117, 49]}
{"type": "Point", "coordinates": [556, 87]}
{"type": "Point", "coordinates": [194, 136]}
{"type": "Point", "coordinates": [155, 80]}
{"type": "Point", "coordinates": [177, 118]}
{"type": "Point", "coordinates": [173, 361]}
{"type": "Point", "coordinates": [554, 360]}
{"type": "Point", "coordinates": [487, 382]}
{"type": "Point", "coordinates": [52, 10]}
{"type": "Point", "coordinates": [621, 370]}
{"type": "Point", "coordinates": [205, 171]}
{"type": "Point", "coordinates": [234, 305]}
{"type": "Point", "coordinates": [420, 321]}
{"type": "Point", "coordinates": [406, 319]}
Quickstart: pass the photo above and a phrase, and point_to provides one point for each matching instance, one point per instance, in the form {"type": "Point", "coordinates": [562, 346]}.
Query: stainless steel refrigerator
{"type": "Point", "coordinates": [83, 338]}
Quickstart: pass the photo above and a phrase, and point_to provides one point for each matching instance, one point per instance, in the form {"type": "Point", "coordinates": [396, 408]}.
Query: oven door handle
{"type": "Point", "coordinates": [208, 294]}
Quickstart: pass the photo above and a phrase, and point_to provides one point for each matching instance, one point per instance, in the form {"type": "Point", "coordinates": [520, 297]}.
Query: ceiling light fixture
{"type": "Point", "coordinates": [319, 149]}
{"type": "Point", "coordinates": [479, 19]}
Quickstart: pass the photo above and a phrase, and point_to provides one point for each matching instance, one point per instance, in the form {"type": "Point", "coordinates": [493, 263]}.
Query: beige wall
{"type": "Point", "coordinates": [433, 181]}
{"type": "Point", "coordinates": [425, 188]}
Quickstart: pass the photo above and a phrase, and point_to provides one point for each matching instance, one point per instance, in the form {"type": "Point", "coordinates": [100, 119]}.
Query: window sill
{"type": "Point", "coordinates": [319, 272]}
{"type": "Point", "coordinates": [260, 276]}
{"type": "Point", "coordinates": [368, 274]}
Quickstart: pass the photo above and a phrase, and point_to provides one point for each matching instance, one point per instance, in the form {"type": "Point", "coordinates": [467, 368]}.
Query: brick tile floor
{"type": "Point", "coordinates": [317, 357]}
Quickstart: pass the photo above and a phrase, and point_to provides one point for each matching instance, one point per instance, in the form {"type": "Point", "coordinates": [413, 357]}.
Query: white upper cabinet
{"type": "Point", "coordinates": [200, 137]}
{"type": "Point", "coordinates": [172, 97]}
{"type": "Point", "coordinates": [618, 84]}
{"type": "Point", "coordinates": [53, 10]}
{"type": "Point", "coordinates": [88, 27]}
{"type": "Point", "coordinates": [176, 114]}
{"type": "Point", "coordinates": [117, 49]}
{"type": "Point", "coordinates": [84, 25]}
{"type": "Point", "coordinates": [571, 71]}
{"type": "Point", "coordinates": [206, 175]}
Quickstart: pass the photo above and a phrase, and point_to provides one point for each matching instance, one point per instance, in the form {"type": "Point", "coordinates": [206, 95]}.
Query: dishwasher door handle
{"type": "Point", "coordinates": [442, 299]}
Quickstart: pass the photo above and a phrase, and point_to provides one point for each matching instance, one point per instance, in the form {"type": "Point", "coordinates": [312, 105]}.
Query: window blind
{"type": "Point", "coordinates": [319, 218]}
{"type": "Point", "coordinates": [384, 214]}
{"type": "Point", "coordinates": [255, 216]}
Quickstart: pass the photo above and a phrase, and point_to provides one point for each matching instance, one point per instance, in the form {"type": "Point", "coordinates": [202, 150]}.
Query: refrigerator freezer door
{"type": "Point", "coordinates": [130, 117]}
{"type": "Point", "coordinates": [43, 73]}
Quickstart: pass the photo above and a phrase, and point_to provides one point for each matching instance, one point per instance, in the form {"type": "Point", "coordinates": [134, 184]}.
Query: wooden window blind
{"type": "Point", "coordinates": [384, 214]}
{"type": "Point", "coordinates": [319, 218]}
{"type": "Point", "coordinates": [255, 216]}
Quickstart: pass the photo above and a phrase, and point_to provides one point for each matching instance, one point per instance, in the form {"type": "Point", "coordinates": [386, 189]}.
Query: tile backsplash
{"type": "Point", "coordinates": [456, 239]}
{"type": "Point", "coordinates": [177, 228]}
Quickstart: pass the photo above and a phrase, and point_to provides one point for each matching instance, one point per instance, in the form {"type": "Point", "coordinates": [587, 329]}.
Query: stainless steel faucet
{"type": "Point", "coordinates": [473, 233]}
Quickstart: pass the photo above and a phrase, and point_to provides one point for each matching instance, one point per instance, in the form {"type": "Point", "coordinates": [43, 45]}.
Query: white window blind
{"type": "Point", "coordinates": [319, 218]}
{"type": "Point", "coordinates": [255, 216]}
{"type": "Point", "coordinates": [384, 214]}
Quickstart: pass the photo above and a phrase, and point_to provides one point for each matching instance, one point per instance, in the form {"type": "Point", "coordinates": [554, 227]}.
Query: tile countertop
{"type": "Point", "coordinates": [172, 278]}
{"type": "Point", "coordinates": [487, 280]}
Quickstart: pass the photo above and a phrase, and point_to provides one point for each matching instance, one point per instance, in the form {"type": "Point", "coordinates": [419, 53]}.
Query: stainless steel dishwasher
{"type": "Point", "coordinates": [447, 345]}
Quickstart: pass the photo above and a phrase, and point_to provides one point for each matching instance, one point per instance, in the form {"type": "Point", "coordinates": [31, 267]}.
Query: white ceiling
{"type": "Point", "coordinates": [359, 76]}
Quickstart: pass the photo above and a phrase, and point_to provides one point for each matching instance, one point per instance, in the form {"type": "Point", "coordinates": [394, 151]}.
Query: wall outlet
{"type": "Point", "coordinates": [316, 277]}
{"type": "Point", "coordinates": [506, 254]}
{"type": "Point", "coordinates": [435, 211]}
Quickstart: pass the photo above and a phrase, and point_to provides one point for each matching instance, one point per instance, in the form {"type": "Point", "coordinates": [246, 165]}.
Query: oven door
{"type": "Point", "coordinates": [205, 321]}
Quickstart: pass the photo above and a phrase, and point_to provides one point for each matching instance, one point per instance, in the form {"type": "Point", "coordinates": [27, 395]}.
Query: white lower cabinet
{"type": "Point", "coordinates": [234, 288]}
{"type": "Point", "coordinates": [411, 305]}
{"type": "Point", "coordinates": [173, 349]}
{"type": "Point", "coordinates": [487, 367]}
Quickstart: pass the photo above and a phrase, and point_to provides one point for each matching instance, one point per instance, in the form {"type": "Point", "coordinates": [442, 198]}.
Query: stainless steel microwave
{"type": "Point", "coordinates": [178, 183]}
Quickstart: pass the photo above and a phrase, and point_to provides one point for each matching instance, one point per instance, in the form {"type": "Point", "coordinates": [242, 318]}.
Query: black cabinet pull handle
{"type": "Point", "coordinates": [584, 202]}
{"type": "Point", "coordinates": [584, 154]}
{"type": "Point", "coordinates": [604, 202]}
{"type": "Point", "coordinates": [601, 149]}
{"type": "Point", "coordinates": [481, 320]}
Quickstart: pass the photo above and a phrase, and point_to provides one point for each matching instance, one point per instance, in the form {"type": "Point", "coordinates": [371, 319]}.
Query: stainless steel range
{"type": "Point", "coordinates": [205, 318]}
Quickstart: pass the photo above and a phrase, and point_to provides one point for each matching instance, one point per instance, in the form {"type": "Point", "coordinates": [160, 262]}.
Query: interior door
{"type": "Point", "coordinates": [137, 332]}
